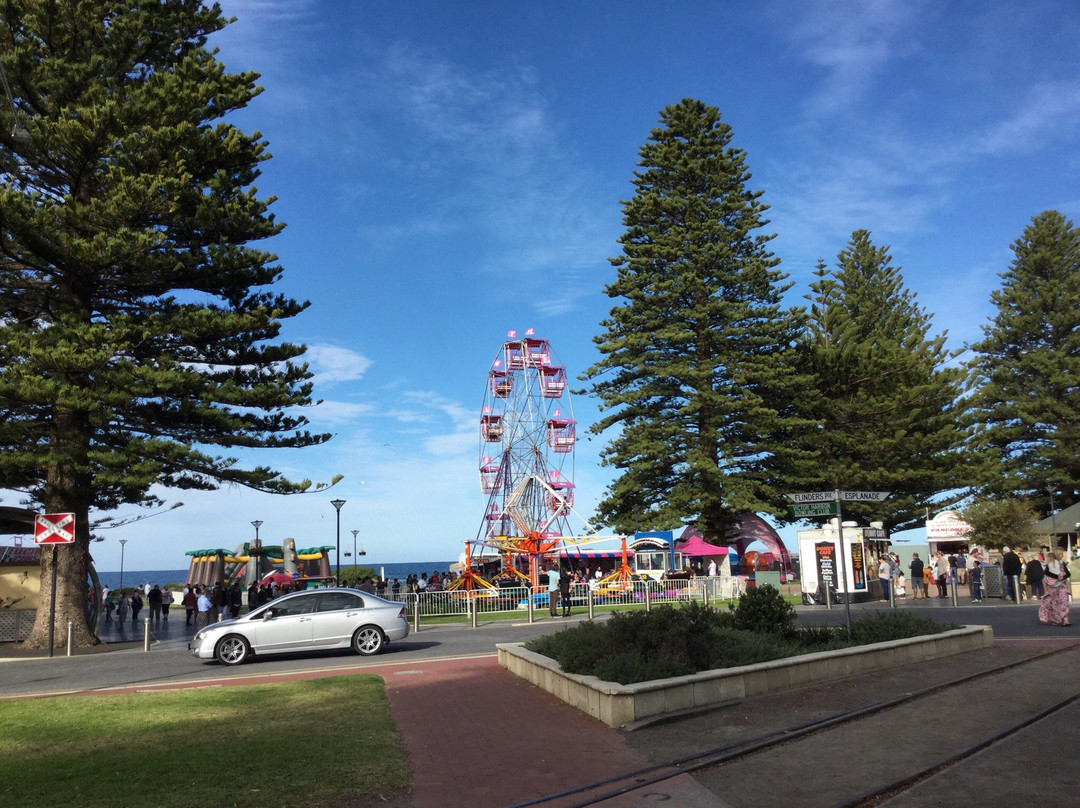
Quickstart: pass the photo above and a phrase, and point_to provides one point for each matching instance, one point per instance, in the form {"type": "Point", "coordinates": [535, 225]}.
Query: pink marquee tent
{"type": "Point", "coordinates": [696, 546]}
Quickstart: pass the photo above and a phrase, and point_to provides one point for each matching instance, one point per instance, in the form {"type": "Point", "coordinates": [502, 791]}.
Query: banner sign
{"type": "Point", "coordinates": [947, 525]}
{"type": "Point", "coordinates": [825, 553]}
{"type": "Point", "coordinates": [858, 566]}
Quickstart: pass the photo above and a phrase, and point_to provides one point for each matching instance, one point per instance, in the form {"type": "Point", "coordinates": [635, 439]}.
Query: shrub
{"type": "Point", "coordinates": [638, 646]}
{"type": "Point", "coordinates": [764, 609]}
{"type": "Point", "coordinates": [892, 625]}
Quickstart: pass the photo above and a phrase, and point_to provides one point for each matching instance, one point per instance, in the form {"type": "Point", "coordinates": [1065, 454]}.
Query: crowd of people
{"type": "Point", "coordinates": [118, 605]}
{"type": "Point", "coordinates": [1043, 575]}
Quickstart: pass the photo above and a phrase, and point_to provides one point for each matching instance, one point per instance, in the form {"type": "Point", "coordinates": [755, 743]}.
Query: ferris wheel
{"type": "Point", "coordinates": [527, 437]}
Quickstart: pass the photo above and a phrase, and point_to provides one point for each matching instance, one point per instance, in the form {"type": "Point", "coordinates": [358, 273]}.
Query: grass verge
{"type": "Point", "coordinates": [316, 742]}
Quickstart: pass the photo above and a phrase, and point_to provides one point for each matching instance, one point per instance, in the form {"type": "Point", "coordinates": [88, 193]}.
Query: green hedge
{"type": "Point", "coordinates": [670, 641]}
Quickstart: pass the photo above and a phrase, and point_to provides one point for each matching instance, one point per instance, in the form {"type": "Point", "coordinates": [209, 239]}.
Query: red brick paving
{"type": "Point", "coordinates": [477, 735]}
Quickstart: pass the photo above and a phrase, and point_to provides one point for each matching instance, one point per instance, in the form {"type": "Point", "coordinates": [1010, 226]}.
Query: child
{"type": "Point", "coordinates": [975, 578]}
{"type": "Point", "coordinates": [901, 590]}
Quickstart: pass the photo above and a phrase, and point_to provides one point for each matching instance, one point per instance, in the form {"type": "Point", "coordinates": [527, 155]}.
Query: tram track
{"type": "Point", "coordinates": [704, 764]}
{"type": "Point", "coordinates": [897, 788]}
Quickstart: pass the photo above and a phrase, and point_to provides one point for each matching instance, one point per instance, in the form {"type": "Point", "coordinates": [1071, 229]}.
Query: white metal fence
{"type": "Point", "coordinates": [642, 594]}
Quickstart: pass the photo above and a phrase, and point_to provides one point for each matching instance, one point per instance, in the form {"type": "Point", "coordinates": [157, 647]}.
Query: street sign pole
{"type": "Point", "coordinates": [54, 529]}
{"type": "Point", "coordinates": [843, 562]}
{"type": "Point", "coordinates": [52, 602]}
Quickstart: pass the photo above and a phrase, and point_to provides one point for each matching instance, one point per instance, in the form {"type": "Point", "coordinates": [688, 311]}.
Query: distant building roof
{"type": "Point", "coordinates": [1061, 522]}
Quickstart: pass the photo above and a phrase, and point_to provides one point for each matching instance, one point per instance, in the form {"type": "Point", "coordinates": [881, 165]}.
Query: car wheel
{"type": "Point", "coordinates": [232, 650]}
{"type": "Point", "coordinates": [368, 640]}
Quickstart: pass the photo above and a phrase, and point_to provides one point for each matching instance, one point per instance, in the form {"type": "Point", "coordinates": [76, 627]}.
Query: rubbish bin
{"type": "Point", "coordinates": [993, 585]}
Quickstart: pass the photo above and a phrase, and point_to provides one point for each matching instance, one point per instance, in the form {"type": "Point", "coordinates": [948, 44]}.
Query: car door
{"type": "Point", "coordinates": [286, 625]}
{"type": "Point", "coordinates": [339, 614]}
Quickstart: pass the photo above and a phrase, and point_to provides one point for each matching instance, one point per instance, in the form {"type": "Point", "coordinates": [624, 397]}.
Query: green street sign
{"type": "Point", "coordinates": [805, 509]}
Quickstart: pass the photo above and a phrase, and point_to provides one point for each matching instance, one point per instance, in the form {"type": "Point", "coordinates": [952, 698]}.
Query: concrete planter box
{"type": "Point", "coordinates": [617, 705]}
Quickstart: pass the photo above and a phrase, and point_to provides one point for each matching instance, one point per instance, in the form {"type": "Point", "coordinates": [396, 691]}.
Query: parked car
{"type": "Point", "coordinates": [305, 621]}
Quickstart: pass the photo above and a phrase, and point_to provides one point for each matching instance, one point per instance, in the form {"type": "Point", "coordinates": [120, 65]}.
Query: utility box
{"type": "Point", "coordinates": [993, 583]}
{"type": "Point", "coordinates": [770, 578]}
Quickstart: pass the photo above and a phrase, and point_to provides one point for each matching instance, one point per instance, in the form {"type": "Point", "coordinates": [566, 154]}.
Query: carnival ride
{"type": "Point", "coordinates": [527, 440]}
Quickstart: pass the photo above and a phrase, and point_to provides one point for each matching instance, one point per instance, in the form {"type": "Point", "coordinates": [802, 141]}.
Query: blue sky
{"type": "Point", "coordinates": [451, 171]}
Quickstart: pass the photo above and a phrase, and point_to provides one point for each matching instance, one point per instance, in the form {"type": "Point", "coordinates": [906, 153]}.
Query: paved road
{"type": "Point", "coordinates": [124, 663]}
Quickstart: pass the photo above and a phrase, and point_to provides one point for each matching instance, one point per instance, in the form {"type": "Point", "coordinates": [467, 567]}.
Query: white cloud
{"type": "Point", "coordinates": [1048, 110]}
{"type": "Point", "coordinates": [852, 42]}
{"type": "Point", "coordinates": [332, 364]}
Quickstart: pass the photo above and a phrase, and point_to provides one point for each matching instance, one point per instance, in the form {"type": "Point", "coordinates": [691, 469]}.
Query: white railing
{"type": "Point", "coordinates": [640, 594]}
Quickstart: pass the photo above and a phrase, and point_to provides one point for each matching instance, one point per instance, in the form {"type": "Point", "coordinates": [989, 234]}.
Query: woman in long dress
{"type": "Point", "coordinates": [1054, 607]}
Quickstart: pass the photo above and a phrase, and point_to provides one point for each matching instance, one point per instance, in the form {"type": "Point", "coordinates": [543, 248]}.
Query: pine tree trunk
{"type": "Point", "coordinates": [71, 600]}
{"type": "Point", "coordinates": [66, 492]}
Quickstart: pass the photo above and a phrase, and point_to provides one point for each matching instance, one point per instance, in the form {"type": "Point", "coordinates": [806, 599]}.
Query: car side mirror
{"type": "Point", "coordinates": [267, 614]}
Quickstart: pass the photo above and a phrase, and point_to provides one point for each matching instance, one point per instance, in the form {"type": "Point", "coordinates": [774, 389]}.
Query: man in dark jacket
{"type": "Point", "coordinates": [1035, 572]}
{"type": "Point", "coordinates": [564, 591]}
{"type": "Point", "coordinates": [1011, 569]}
{"type": "Point", "coordinates": [154, 599]}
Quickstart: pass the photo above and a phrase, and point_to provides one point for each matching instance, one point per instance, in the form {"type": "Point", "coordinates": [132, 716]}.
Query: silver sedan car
{"type": "Point", "coordinates": [305, 621]}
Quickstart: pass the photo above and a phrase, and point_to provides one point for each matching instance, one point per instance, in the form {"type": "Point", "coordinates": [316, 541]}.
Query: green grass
{"type": "Point", "coordinates": [298, 743]}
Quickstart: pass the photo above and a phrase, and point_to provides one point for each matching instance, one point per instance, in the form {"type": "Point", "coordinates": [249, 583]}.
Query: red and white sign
{"type": "Point", "coordinates": [54, 528]}
{"type": "Point", "coordinates": [947, 525]}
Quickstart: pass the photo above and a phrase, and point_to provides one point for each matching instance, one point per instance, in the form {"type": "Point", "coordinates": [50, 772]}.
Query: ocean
{"type": "Point", "coordinates": [389, 571]}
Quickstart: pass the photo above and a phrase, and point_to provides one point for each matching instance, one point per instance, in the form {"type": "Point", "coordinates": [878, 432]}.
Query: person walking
{"type": "Point", "coordinates": [1035, 572]}
{"type": "Point", "coordinates": [1054, 609]}
{"type": "Point", "coordinates": [1011, 568]}
{"type": "Point", "coordinates": [190, 603]}
{"type": "Point", "coordinates": [553, 589]}
{"type": "Point", "coordinates": [202, 606]}
{"type": "Point", "coordinates": [167, 600]}
{"type": "Point", "coordinates": [975, 578]}
{"type": "Point", "coordinates": [136, 605]}
{"type": "Point", "coordinates": [941, 575]}
{"type": "Point", "coordinates": [884, 574]}
{"type": "Point", "coordinates": [154, 599]}
{"type": "Point", "coordinates": [236, 600]}
{"type": "Point", "coordinates": [917, 583]}
{"type": "Point", "coordinates": [564, 591]}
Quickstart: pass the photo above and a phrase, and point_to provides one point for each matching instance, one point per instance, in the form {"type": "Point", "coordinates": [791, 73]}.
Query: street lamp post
{"type": "Point", "coordinates": [337, 503]}
{"type": "Point", "coordinates": [354, 553]}
{"type": "Point", "coordinates": [255, 553]}
{"type": "Point", "coordinates": [122, 543]}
